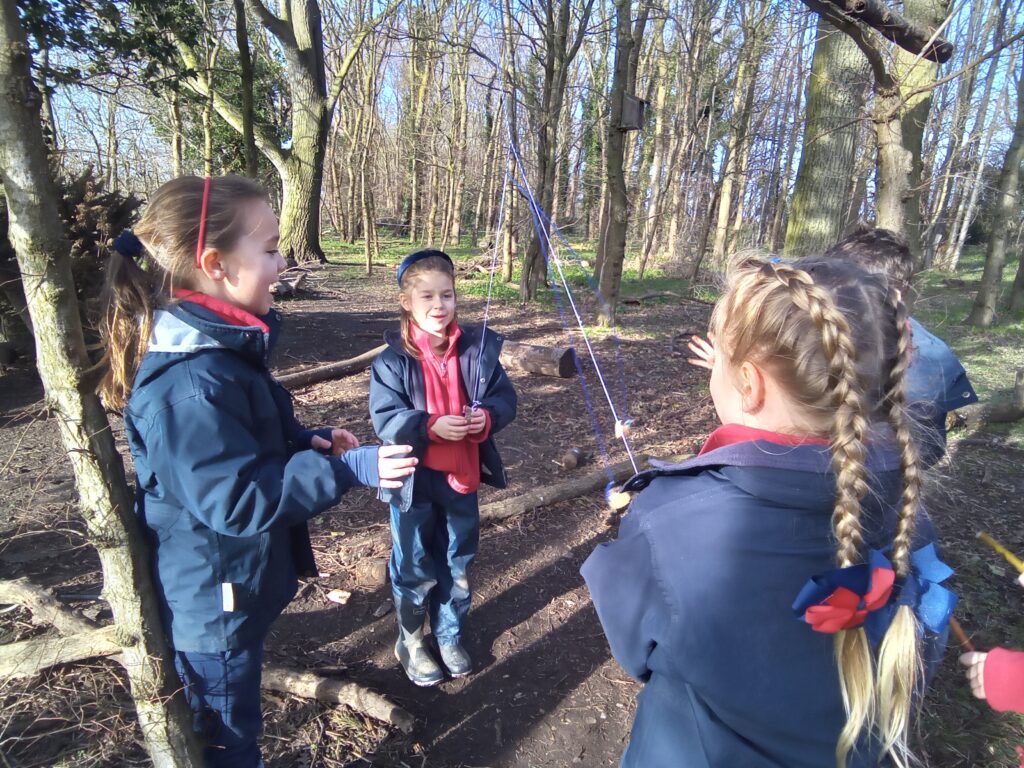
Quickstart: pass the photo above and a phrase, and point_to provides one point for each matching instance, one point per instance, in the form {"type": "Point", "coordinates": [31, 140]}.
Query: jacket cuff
{"type": "Point", "coordinates": [432, 436]}
{"type": "Point", "coordinates": [1004, 680]}
{"type": "Point", "coordinates": [304, 438]}
{"type": "Point", "coordinates": [358, 465]}
{"type": "Point", "coordinates": [484, 433]}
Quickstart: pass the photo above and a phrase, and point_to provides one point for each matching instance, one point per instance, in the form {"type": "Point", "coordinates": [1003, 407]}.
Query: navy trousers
{"type": "Point", "coordinates": [223, 691]}
{"type": "Point", "coordinates": [433, 545]}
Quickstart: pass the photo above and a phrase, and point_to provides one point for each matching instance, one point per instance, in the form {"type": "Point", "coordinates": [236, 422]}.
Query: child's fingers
{"type": "Point", "coordinates": [345, 438]}
{"type": "Point", "coordinates": [699, 362]}
{"type": "Point", "coordinates": [391, 483]}
{"type": "Point", "coordinates": [387, 451]}
{"type": "Point", "coordinates": [319, 444]}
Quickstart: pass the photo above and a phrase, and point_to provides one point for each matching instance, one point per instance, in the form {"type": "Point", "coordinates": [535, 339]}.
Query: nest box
{"type": "Point", "coordinates": [633, 110]}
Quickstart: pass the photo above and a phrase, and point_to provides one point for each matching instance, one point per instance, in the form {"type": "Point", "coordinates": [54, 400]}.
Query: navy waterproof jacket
{"type": "Point", "coordinates": [398, 401]}
{"type": "Point", "coordinates": [695, 598]}
{"type": "Point", "coordinates": [226, 478]}
{"type": "Point", "coordinates": [936, 384]}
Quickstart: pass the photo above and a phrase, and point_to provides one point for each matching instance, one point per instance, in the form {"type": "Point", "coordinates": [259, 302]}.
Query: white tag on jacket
{"type": "Point", "coordinates": [227, 595]}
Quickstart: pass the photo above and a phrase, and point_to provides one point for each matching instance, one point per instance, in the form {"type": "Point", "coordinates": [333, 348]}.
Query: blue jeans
{"type": "Point", "coordinates": [432, 546]}
{"type": "Point", "coordinates": [223, 691]}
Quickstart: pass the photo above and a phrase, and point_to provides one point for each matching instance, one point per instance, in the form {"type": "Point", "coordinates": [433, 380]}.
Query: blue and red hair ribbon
{"type": "Point", "coordinates": [868, 595]}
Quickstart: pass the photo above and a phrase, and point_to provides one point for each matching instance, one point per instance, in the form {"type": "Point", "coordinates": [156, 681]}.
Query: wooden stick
{"type": "Point", "coordinates": [551, 494]}
{"type": "Point", "coordinates": [331, 370]}
{"type": "Point", "coordinates": [961, 636]}
{"type": "Point", "coordinates": [1011, 558]}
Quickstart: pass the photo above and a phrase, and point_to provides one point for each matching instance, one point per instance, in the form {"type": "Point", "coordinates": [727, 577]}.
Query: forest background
{"type": "Point", "coordinates": [661, 138]}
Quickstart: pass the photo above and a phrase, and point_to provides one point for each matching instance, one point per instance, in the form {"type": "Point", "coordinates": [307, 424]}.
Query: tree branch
{"type": "Point", "coordinates": [266, 142]}
{"type": "Point", "coordinates": [353, 51]}
{"type": "Point", "coordinates": [841, 21]}
{"type": "Point", "coordinates": [281, 29]}
{"type": "Point", "coordinates": [900, 30]}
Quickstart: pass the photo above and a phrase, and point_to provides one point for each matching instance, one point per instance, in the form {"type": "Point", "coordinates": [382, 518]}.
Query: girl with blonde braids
{"type": "Point", "coordinates": [813, 471]}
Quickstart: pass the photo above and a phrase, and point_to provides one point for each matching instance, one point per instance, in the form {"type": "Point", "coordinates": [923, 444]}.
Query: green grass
{"type": "Point", "coordinates": [991, 356]}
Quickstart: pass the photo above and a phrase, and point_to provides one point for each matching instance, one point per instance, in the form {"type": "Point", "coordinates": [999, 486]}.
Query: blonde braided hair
{"type": "Point", "coordinates": [799, 325]}
{"type": "Point", "coordinates": [899, 655]}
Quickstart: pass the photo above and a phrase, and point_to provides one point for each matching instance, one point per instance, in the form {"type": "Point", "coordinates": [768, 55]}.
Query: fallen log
{"type": "Point", "coordinates": [309, 685]}
{"type": "Point", "coordinates": [652, 295]}
{"type": "Point", "coordinates": [550, 494]}
{"type": "Point", "coordinates": [978, 414]}
{"type": "Point", "coordinates": [45, 608]}
{"type": "Point", "coordinates": [85, 640]}
{"type": "Point", "coordinates": [28, 658]}
{"type": "Point", "coordinates": [289, 286]}
{"type": "Point", "coordinates": [545, 361]}
{"type": "Point", "coordinates": [332, 370]}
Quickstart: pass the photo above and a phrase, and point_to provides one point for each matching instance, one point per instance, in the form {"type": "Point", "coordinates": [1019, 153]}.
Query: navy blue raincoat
{"type": "Point", "coordinates": [226, 479]}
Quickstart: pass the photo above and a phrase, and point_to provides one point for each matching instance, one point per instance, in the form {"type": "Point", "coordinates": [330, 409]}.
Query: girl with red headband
{"type": "Point", "coordinates": [226, 478]}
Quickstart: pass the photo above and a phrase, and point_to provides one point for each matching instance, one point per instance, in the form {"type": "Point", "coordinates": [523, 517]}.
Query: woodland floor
{"type": "Point", "coordinates": [547, 692]}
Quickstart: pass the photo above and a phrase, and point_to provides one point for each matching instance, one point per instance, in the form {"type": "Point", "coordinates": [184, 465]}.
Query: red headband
{"type": "Point", "coordinates": [202, 223]}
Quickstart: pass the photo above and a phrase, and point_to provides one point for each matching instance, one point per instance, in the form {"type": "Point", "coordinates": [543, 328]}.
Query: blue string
{"type": "Point", "coordinates": [539, 217]}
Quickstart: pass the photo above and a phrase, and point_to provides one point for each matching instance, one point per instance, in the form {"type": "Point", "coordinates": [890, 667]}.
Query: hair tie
{"type": "Point", "coordinates": [412, 258]}
{"type": "Point", "coordinates": [202, 223]}
{"type": "Point", "coordinates": [127, 244]}
{"type": "Point", "coordinates": [869, 594]}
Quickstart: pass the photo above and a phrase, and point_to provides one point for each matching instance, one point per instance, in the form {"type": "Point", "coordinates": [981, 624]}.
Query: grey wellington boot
{"type": "Point", "coordinates": [416, 660]}
{"type": "Point", "coordinates": [455, 658]}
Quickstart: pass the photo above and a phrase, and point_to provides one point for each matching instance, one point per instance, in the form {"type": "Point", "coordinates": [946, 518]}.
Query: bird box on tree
{"type": "Point", "coordinates": [633, 110]}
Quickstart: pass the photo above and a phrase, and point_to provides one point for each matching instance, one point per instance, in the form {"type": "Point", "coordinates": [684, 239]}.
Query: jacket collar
{"type": "Point", "coordinates": [191, 325]}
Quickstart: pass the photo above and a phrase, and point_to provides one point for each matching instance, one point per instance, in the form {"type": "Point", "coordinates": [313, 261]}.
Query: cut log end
{"type": "Point", "coordinates": [559, 362]}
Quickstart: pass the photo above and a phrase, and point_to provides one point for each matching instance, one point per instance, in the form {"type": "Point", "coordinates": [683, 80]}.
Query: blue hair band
{"type": "Point", "coordinates": [127, 244]}
{"type": "Point", "coordinates": [412, 258]}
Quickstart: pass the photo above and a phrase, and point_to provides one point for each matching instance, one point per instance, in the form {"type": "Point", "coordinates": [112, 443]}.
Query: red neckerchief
{"type": "Point", "coordinates": [728, 434]}
{"type": "Point", "coordinates": [229, 313]}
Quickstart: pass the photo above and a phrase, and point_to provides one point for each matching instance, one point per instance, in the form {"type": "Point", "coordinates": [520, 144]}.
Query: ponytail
{"type": "Point", "coordinates": [130, 296]}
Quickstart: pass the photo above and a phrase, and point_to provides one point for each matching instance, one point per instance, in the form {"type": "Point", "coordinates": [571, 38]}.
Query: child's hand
{"type": "Point", "coordinates": [975, 663]}
{"type": "Point", "coordinates": [477, 422]}
{"type": "Point", "coordinates": [341, 441]}
{"type": "Point", "coordinates": [704, 351]}
{"type": "Point", "coordinates": [393, 465]}
{"type": "Point", "coordinates": [451, 427]}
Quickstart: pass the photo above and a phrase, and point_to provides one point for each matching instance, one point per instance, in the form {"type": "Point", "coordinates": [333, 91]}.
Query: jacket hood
{"type": "Point", "coordinates": [184, 329]}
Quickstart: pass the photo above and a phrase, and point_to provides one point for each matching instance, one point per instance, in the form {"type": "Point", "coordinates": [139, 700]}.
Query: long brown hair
{"type": "Point", "coordinates": [137, 285]}
{"type": "Point", "coordinates": [836, 338]}
{"type": "Point", "coordinates": [439, 263]}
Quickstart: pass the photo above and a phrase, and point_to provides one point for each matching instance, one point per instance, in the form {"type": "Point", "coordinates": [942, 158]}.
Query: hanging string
{"type": "Point", "coordinates": [490, 281]}
{"type": "Point", "coordinates": [548, 252]}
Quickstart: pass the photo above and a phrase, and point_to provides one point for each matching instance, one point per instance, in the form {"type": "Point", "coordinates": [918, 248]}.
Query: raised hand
{"type": "Point", "coordinates": [451, 427]}
{"type": "Point", "coordinates": [704, 352]}
{"type": "Point", "coordinates": [393, 465]}
{"type": "Point", "coordinates": [341, 441]}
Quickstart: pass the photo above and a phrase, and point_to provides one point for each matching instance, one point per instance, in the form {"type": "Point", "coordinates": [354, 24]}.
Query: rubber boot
{"type": "Point", "coordinates": [410, 650]}
{"type": "Point", "coordinates": [455, 659]}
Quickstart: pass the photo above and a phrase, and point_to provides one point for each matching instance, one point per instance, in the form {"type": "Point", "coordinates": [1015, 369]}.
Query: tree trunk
{"type": "Point", "coordinates": [627, 41]}
{"type": "Point", "coordinates": [894, 163]}
{"type": "Point", "coordinates": [984, 309]}
{"type": "Point", "coordinates": [248, 109]}
{"type": "Point", "coordinates": [177, 139]}
{"type": "Point", "coordinates": [836, 92]}
{"type": "Point", "coordinates": [37, 234]}
{"type": "Point", "coordinates": [913, 72]}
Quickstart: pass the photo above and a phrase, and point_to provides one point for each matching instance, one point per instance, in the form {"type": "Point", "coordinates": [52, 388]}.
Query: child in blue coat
{"type": "Point", "coordinates": [793, 539]}
{"type": "Point", "coordinates": [226, 478]}
{"type": "Point", "coordinates": [440, 388]}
